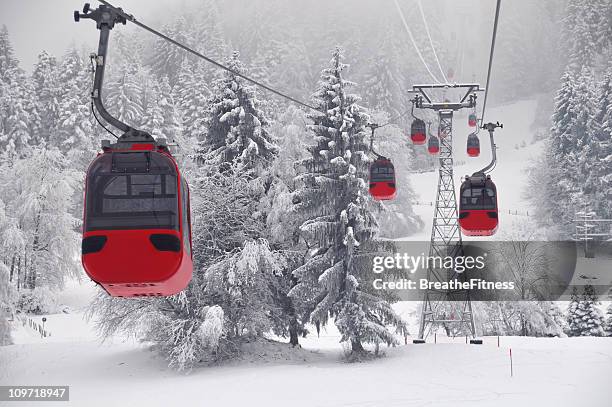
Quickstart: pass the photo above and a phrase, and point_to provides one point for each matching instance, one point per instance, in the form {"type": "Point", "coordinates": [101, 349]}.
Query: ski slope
{"type": "Point", "coordinates": [509, 175]}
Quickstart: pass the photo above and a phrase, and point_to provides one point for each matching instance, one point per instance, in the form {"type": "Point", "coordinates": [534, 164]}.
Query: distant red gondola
{"type": "Point", "coordinates": [478, 212]}
{"type": "Point", "coordinates": [418, 132]}
{"type": "Point", "coordinates": [472, 121]}
{"type": "Point", "coordinates": [382, 179]}
{"type": "Point", "coordinates": [433, 145]}
{"type": "Point", "coordinates": [473, 145]}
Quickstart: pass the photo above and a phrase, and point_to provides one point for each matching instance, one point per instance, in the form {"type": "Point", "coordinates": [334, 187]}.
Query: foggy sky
{"type": "Point", "coordinates": [36, 25]}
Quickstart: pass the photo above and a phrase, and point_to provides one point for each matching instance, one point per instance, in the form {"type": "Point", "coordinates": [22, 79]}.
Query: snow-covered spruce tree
{"type": "Point", "coordinates": [74, 133]}
{"type": "Point", "coordinates": [236, 128]}
{"type": "Point", "coordinates": [124, 96]}
{"type": "Point", "coordinates": [583, 131]}
{"type": "Point", "coordinates": [282, 226]}
{"type": "Point", "coordinates": [585, 27]}
{"type": "Point", "coordinates": [19, 119]}
{"type": "Point", "coordinates": [601, 170]}
{"type": "Point", "coordinates": [165, 58]}
{"type": "Point", "coordinates": [204, 28]}
{"type": "Point", "coordinates": [560, 177]}
{"type": "Point", "coordinates": [46, 88]}
{"type": "Point", "coordinates": [590, 317]}
{"type": "Point", "coordinates": [191, 94]}
{"type": "Point", "coordinates": [384, 81]}
{"type": "Point", "coordinates": [573, 319]}
{"type": "Point", "coordinates": [8, 62]}
{"type": "Point", "coordinates": [292, 133]}
{"type": "Point", "coordinates": [608, 322]}
{"type": "Point", "coordinates": [244, 285]}
{"type": "Point", "coordinates": [339, 223]}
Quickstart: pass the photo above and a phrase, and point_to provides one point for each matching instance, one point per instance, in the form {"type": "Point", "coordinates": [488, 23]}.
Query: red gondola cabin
{"type": "Point", "coordinates": [382, 179]}
{"type": "Point", "coordinates": [433, 145]}
{"type": "Point", "coordinates": [136, 228]}
{"type": "Point", "coordinates": [472, 121]}
{"type": "Point", "coordinates": [478, 214]}
{"type": "Point", "coordinates": [418, 132]}
{"type": "Point", "coordinates": [473, 145]}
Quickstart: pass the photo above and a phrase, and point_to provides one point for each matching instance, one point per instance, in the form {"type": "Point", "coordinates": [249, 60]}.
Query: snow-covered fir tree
{"type": "Point", "coordinates": [600, 176]}
{"type": "Point", "coordinates": [190, 95]}
{"type": "Point", "coordinates": [338, 220]}
{"type": "Point", "coordinates": [556, 173]}
{"type": "Point", "coordinates": [590, 316]}
{"type": "Point", "coordinates": [124, 98]}
{"type": "Point", "coordinates": [74, 132]}
{"type": "Point", "coordinates": [608, 322]}
{"type": "Point", "coordinates": [584, 316]}
{"type": "Point", "coordinates": [236, 128]}
{"type": "Point", "coordinates": [166, 58]}
{"type": "Point", "coordinates": [587, 22]}
{"type": "Point", "coordinates": [46, 89]}
{"type": "Point", "coordinates": [19, 120]}
{"type": "Point", "coordinates": [573, 318]}
{"type": "Point", "coordinates": [384, 80]}
{"type": "Point", "coordinates": [244, 285]}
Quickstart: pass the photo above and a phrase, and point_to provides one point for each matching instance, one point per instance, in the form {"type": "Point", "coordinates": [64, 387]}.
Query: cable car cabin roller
{"type": "Point", "coordinates": [478, 214]}
{"type": "Point", "coordinates": [473, 145]}
{"type": "Point", "coordinates": [136, 226]}
{"type": "Point", "coordinates": [382, 179]}
{"type": "Point", "coordinates": [418, 132]}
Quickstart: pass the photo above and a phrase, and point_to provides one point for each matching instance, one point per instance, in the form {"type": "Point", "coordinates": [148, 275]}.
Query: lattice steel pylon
{"type": "Point", "coordinates": [450, 308]}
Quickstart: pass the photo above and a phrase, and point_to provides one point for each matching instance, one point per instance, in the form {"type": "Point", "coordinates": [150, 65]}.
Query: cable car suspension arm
{"type": "Point", "coordinates": [490, 127]}
{"type": "Point", "coordinates": [105, 18]}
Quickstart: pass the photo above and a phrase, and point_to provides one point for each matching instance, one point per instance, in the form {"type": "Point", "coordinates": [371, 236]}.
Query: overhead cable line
{"type": "Point", "coordinates": [394, 118]}
{"type": "Point", "coordinates": [401, 14]}
{"type": "Point", "coordinates": [132, 19]}
{"type": "Point", "coordinates": [430, 40]}
{"type": "Point", "coordinates": [484, 104]}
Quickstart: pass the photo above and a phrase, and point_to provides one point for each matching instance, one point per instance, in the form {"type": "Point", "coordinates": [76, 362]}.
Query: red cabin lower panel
{"type": "Point", "coordinates": [129, 265]}
{"type": "Point", "coordinates": [473, 152]}
{"type": "Point", "coordinates": [382, 191]}
{"type": "Point", "coordinates": [418, 138]}
{"type": "Point", "coordinates": [478, 222]}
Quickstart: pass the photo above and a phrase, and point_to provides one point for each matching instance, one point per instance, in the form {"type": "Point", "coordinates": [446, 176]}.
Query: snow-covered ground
{"type": "Point", "coordinates": [121, 372]}
{"type": "Point", "coordinates": [547, 372]}
{"type": "Point", "coordinates": [509, 175]}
